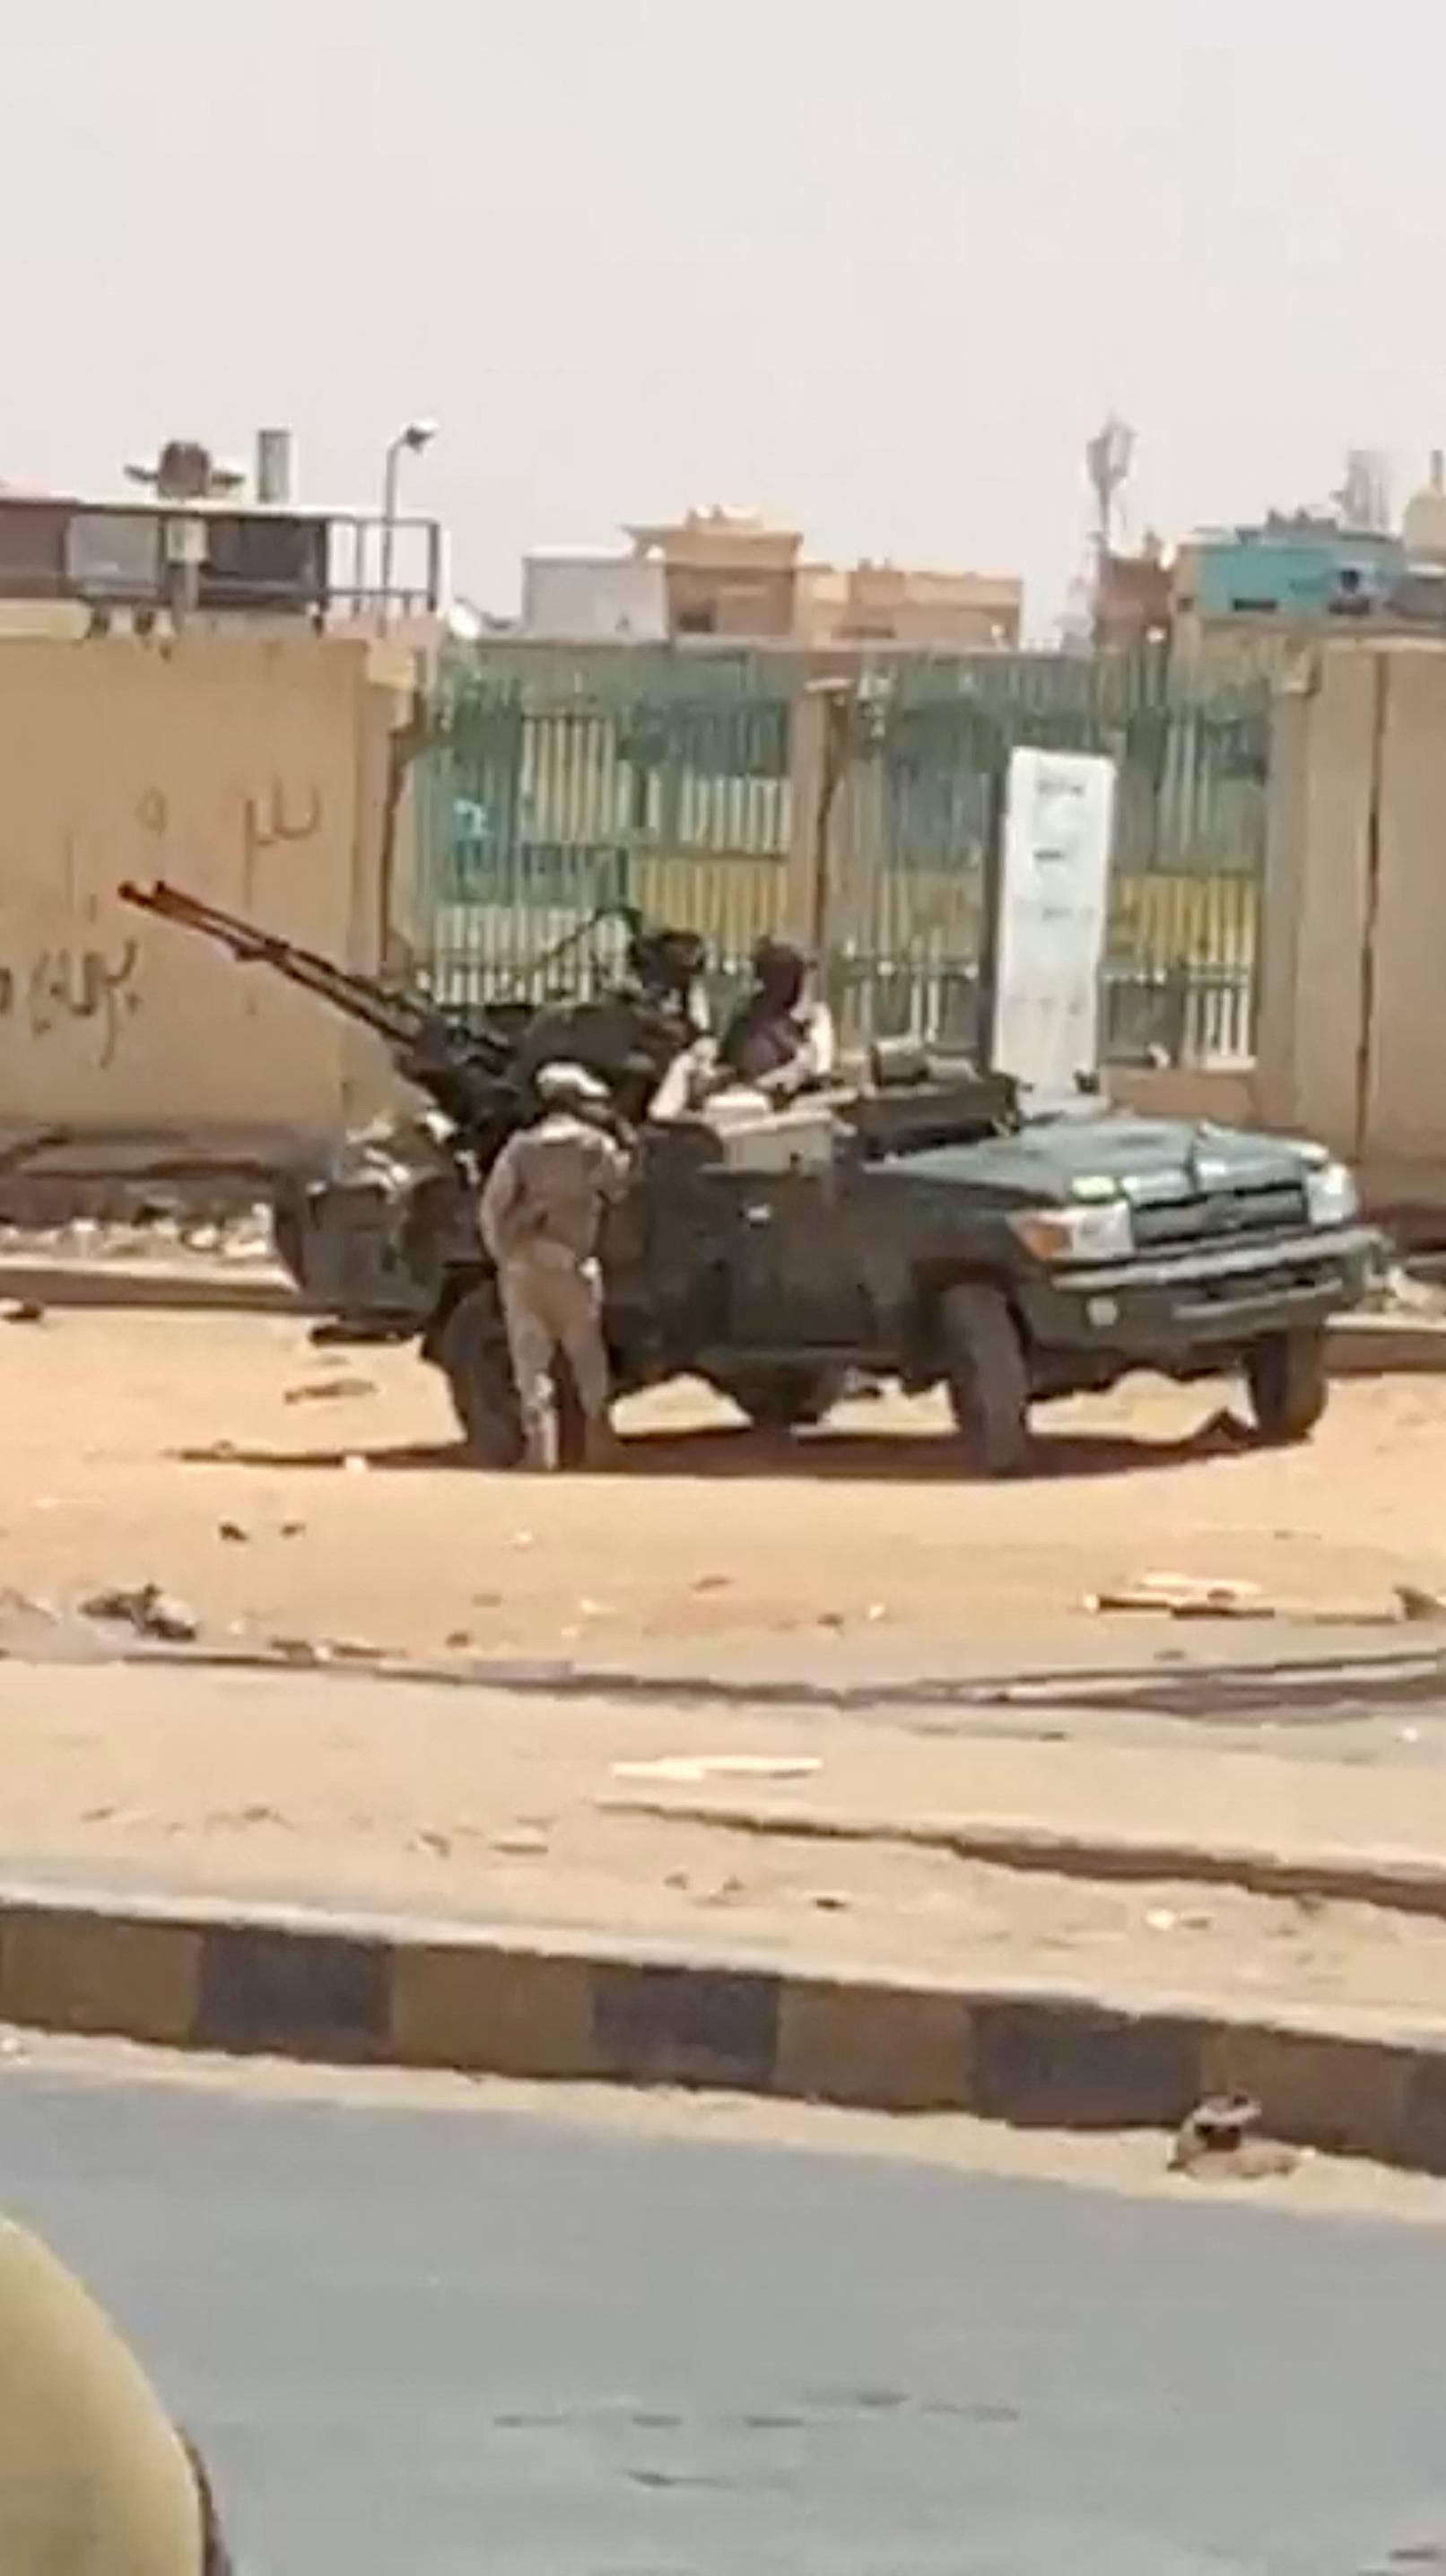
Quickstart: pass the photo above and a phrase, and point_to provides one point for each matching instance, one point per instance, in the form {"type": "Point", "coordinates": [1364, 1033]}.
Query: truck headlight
{"type": "Point", "coordinates": [1099, 1232]}
{"type": "Point", "coordinates": [1330, 1195]}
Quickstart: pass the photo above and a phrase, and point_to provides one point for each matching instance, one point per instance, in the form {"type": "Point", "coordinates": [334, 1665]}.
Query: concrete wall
{"type": "Point", "coordinates": [251, 771]}
{"type": "Point", "coordinates": [1353, 1006]}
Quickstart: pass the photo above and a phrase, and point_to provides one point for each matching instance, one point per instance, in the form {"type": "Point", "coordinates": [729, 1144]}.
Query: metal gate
{"type": "Point", "coordinates": [721, 791]}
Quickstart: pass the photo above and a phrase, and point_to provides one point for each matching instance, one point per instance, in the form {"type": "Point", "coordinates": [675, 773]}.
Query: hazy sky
{"type": "Point", "coordinates": [875, 269]}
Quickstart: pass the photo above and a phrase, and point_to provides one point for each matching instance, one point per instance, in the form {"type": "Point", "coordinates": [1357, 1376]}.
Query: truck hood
{"type": "Point", "coordinates": [1153, 1160]}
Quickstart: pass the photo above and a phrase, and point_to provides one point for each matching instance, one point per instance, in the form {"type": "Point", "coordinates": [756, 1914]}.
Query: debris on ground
{"type": "Point", "coordinates": [522, 1842]}
{"type": "Point", "coordinates": [299, 1650]}
{"type": "Point", "coordinates": [234, 1533]}
{"type": "Point", "coordinates": [26, 1311]}
{"type": "Point", "coordinates": [323, 1389]}
{"type": "Point", "coordinates": [148, 1610]}
{"type": "Point", "coordinates": [692, 1767]}
{"type": "Point", "coordinates": [1223, 2140]}
{"type": "Point", "coordinates": [1404, 1292]}
{"type": "Point", "coordinates": [1186, 1596]}
{"type": "Point", "coordinates": [1416, 1601]}
{"type": "Point", "coordinates": [26, 1605]}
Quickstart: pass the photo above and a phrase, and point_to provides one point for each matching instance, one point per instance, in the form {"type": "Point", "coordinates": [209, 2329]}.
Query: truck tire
{"type": "Point", "coordinates": [786, 1399]}
{"type": "Point", "coordinates": [473, 1356]}
{"type": "Point", "coordinates": [1288, 1383]}
{"type": "Point", "coordinates": [987, 1379]}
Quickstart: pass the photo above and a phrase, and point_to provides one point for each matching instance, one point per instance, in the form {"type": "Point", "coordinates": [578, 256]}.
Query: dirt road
{"type": "Point", "coordinates": [289, 1494]}
{"type": "Point", "coordinates": [135, 1441]}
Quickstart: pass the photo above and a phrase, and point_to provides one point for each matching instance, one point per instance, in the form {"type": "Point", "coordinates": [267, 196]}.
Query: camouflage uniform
{"type": "Point", "coordinates": [94, 2479]}
{"type": "Point", "coordinates": [541, 1217]}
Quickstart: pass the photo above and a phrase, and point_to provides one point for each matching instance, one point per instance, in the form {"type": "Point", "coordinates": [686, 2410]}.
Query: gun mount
{"type": "Point", "coordinates": [366, 1238]}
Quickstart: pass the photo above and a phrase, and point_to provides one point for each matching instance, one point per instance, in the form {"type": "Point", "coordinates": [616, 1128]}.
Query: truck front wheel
{"type": "Point", "coordinates": [987, 1379]}
{"type": "Point", "coordinates": [1288, 1383]}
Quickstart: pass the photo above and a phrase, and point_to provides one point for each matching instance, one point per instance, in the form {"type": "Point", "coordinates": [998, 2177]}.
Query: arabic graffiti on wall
{"type": "Point", "coordinates": [272, 818]}
{"type": "Point", "coordinates": [65, 987]}
{"type": "Point", "coordinates": [82, 985]}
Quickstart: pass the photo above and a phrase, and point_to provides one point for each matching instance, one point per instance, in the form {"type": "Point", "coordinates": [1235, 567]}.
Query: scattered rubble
{"type": "Point", "coordinates": [149, 1611]}
{"type": "Point", "coordinates": [1406, 1292]}
{"type": "Point", "coordinates": [692, 1767]}
{"type": "Point", "coordinates": [1222, 2140]}
{"type": "Point", "coordinates": [26, 1311]}
{"type": "Point", "coordinates": [299, 1650]}
{"type": "Point", "coordinates": [322, 1390]}
{"type": "Point", "coordinates": [1415, 1601]}
{"type": "Point", "coordinates": [1186, 1596]}
{"type": "Point", "coordinates": [523, 1842]}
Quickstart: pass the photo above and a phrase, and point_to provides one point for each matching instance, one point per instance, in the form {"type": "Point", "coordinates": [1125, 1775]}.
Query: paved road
{"type": "Point", "coordinates": [438, 2342]}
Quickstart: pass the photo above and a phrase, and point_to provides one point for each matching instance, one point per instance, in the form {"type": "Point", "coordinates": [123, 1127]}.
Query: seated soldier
{"type": "Point", "coordinates": [780, 1040]}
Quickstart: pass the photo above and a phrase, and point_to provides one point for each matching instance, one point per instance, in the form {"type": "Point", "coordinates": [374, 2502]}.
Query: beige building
{"type": "Point", "coordinates": [729, 574]}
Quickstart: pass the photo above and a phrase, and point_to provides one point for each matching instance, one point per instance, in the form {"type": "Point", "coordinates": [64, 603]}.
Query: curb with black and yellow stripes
{"type": "Point", "coordinates": [367, 1990]}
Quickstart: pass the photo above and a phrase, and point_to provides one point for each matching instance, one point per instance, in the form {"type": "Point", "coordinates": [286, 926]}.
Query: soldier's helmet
{"type": "Point", "coordinates": [94, 2478]}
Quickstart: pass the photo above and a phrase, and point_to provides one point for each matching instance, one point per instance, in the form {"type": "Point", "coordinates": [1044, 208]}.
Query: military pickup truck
{"type": "Point", "coordinates": [935, 1226]}
{"type": "Point", "coordinates": [936, 1230]}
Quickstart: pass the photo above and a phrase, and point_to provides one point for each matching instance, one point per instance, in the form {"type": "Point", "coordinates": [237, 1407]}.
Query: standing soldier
{"type": "Point", "coordinates": [541, 1217]}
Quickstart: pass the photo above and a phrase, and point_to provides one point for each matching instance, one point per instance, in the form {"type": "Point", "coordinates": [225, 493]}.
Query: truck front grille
{"type": "Point", "coordinates": [1225, 1215]}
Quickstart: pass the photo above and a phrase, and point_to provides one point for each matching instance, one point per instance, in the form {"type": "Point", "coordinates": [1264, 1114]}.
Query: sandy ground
{"type": "Point", "coordinates": [285, 1493]}
{"type": "Point", "coordinates": [130, 1438]}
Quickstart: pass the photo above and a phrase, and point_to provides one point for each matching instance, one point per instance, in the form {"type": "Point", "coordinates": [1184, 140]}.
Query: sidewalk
{"type": "Point", "coordinates": [910, 1852]}
{"type": "Point", "coordinates": [430, 1875]}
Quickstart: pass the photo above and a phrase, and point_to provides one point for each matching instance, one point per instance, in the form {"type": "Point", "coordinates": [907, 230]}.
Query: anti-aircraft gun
{"type": "Point", "coordinates": [367, 1235]}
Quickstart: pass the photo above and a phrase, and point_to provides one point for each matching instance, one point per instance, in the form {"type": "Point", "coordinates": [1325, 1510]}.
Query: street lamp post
{"type": "Point", "coordinates": [410, 441]}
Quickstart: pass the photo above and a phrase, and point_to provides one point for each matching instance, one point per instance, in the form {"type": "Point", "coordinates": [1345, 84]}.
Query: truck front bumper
{"type": "Point", "coordinates": [1210, 1301]}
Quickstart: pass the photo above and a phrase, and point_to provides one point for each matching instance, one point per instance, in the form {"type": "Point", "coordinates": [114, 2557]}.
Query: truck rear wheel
{"type": "Point", "coordinates": [987, 1379]}
{"type": "Point", "coordinates": [473, 1356]}
{"type": "Point", "coordinates": [1288, 1383]}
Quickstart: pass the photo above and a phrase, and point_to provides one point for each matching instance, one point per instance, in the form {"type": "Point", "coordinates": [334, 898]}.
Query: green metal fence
{"type": "Point", "coordinates": [716, 789]}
